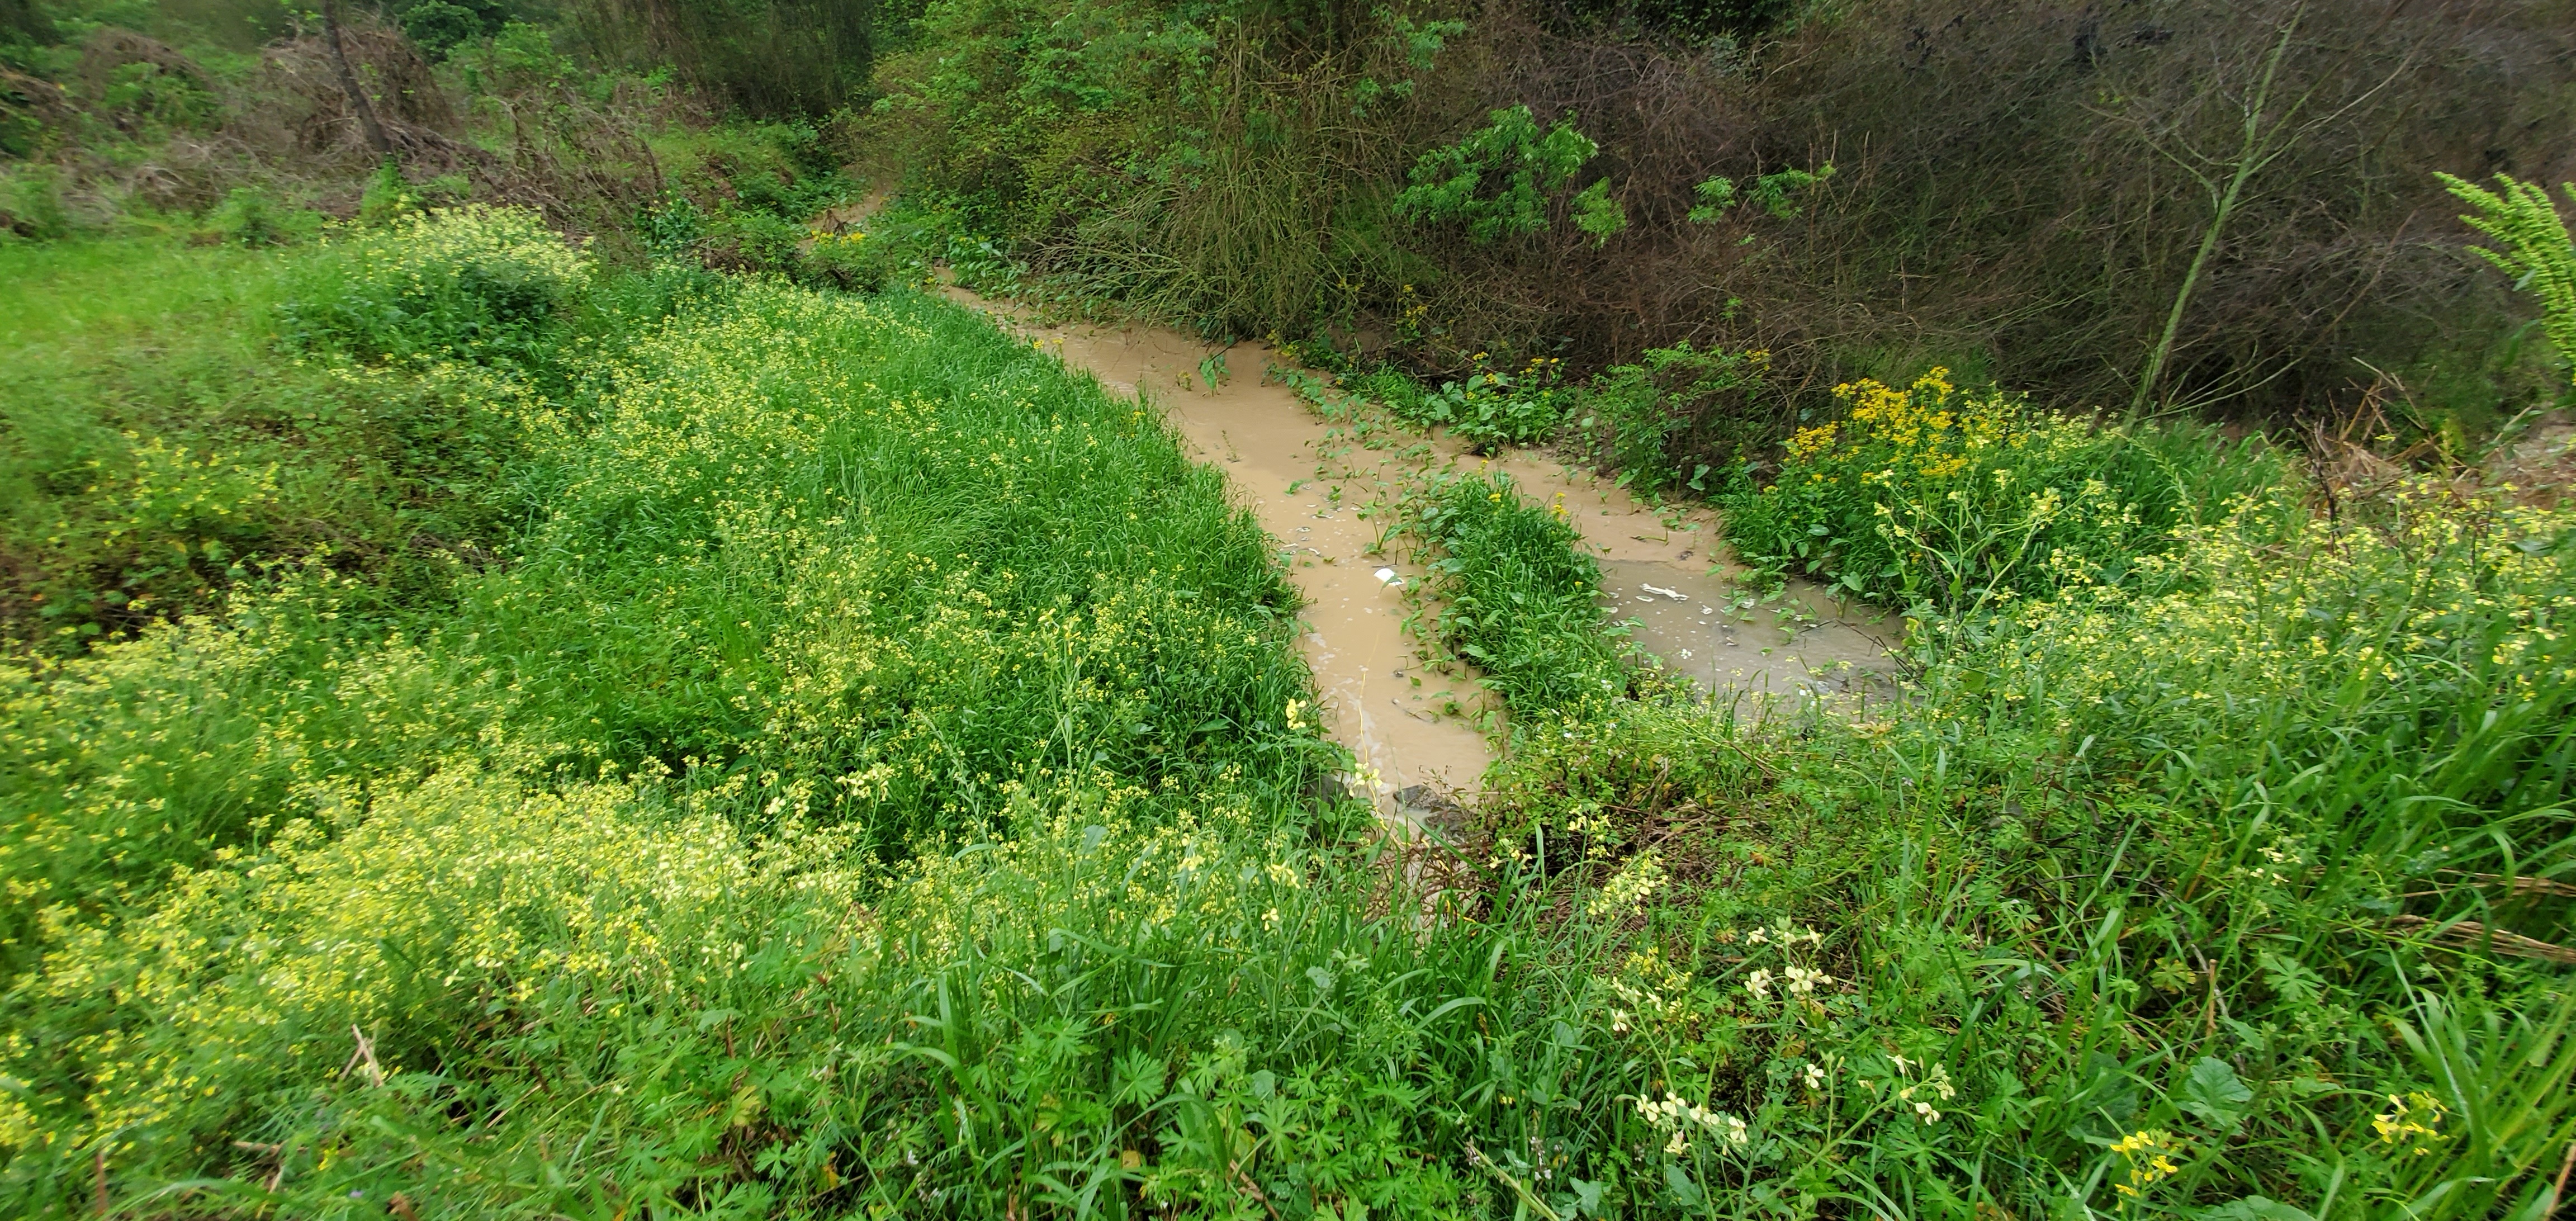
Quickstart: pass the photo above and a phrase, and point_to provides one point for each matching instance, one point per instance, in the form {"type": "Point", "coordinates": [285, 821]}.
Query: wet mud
{"type": "Point", "coordinates": [1326, 504]}
{"type": "Point", "coordinates": [1328, 501]}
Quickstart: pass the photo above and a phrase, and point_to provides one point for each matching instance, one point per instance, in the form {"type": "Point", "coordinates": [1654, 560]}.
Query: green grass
{"type": "Point", "coordinates": [155, 440]}
{"type": "Point", "coordinates": [2216, 875]}
{"type": "Point", "coordinates": [855, 777]}
{"type": "Point", "coordinates": [840, 616]}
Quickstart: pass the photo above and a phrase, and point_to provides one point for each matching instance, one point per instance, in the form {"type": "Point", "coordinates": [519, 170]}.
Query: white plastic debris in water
{"type": "Point", "coordinates": [1386, 576]}
{"type": "Point", "coordinates": [1675, 595]}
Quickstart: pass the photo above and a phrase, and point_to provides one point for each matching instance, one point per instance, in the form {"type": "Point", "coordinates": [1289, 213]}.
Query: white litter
{"type": "Point", "coordinates": [1386, 576]}
{"type": "Point", "coordinates": [1675, 595]}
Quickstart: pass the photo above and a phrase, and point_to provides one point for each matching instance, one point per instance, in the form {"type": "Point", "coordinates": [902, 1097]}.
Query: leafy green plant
{"type": "Point", "coordinates": [2538, 252]}
{"type": "Point", "coordinates": [672, 228]}
{"type": "Point", "coordinates": [1489, 407]}
{"type": "Point", "coordinates": [488, 285]}
{"type": "Point", "coordinates": [1778, 194]}
{"type": "Point", "coordinates": [1496, 181]}
{"type": "Point", "coordinates": [253, 216]}
{"type": "Point", "coordinates": [1642, 420]}
{"type": "Point", "coordinates": [749, 240]}
{"type": "Point", "coordinates": [1597, 214]}
{"type": "Point", "coordinates": [1516, 599]}
{"type": "Point", "coordinates": [387, 197]}
{"type": "Point", "coordinates": [1961, 500]}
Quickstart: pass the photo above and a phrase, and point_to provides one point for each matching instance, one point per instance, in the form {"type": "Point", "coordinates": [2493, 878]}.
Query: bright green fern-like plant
{"type": "Point", "coordinates": [2537, 251]}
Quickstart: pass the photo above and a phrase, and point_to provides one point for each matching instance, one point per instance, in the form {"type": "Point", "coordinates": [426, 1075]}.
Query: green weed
{"type": "Point", "coordinates": [2136, 904]}
{"type": "Point", "coordinates": [481, 285]}
{"type": "Point", "coordinates": [1961, 500]}
{"type": "Point", "coordinates": [1527, 166]}
{"type": "Point", "coordinates": [1518, 600]}
{"type": "Point", "coordinates": [1488, 407]}
{"type": "Point", "coordinates": [1645, 420]}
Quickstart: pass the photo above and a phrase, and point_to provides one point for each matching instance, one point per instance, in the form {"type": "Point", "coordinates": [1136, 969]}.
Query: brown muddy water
{"type": "Point", "coordinates": [1327, 501]}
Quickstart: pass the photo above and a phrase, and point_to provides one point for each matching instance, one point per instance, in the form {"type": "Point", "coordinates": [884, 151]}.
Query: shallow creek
{"type": "Point", "coordinates": [1325, 499]}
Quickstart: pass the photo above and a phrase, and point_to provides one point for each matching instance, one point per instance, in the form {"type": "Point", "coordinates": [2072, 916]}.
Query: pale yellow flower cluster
{"type": "Point", "coordinates": [1676, 1117]}
{"type": "Point", "coordinates": [425, 251]}
{"type": "Point", "coordinates": [2387, 608]}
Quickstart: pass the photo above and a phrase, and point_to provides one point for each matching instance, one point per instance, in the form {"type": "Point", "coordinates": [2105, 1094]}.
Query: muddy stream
{"type": "Point", "coordinates": [1325, 498]}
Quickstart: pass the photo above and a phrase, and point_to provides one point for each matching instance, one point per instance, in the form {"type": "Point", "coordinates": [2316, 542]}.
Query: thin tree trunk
{"type": "Point", "coordinates": [2256, 152]}
{"type": "Point", "coordinates": [358, 99]}
{"type": "Point", "coordinates": [2182, 296]}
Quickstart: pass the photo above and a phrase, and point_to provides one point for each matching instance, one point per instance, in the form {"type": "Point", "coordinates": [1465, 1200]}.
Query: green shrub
{"type": "Point", "coordinates": [1497, 180]}
{"type": "Point", "coordinates": [1489, 407]}
{"type": "Point", "coordinates": [1962, 500]}
{"type": "Point", "coordinates": [670, 229]}
{"type": "Point", "coordinates": [848, 262]}
{"type": "Point", "coordinates": [388, 197]}
{"type": "Point", "coordinates": [1643, 420]}
{"type": "Point", "coordinates": [251, 216]}
{"type": "Point", "coordinates": [31, 203]}
{"type": "Point", "coordinates": [440, 27]}
{"type": "Point", "coordinates": [481, 284]}
{"type": "Point", "coordinates": [151, 93]}
{"type": "Point", "coordinates": [750, 240]}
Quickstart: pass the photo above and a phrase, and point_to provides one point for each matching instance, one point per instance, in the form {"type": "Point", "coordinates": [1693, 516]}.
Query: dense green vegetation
{"type": "Point", "coordinates": [544, 677]}
{"type": "Point", "coordinates": [2123, 904]}
{"type": "Point", "coordinates": [889, 583]}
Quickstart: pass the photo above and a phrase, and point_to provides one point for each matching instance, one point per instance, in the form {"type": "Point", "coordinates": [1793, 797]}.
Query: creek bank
{"type": "Point", "coordinates": [1421, 737]}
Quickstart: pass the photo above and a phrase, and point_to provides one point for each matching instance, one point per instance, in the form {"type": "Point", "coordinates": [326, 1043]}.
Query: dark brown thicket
{"type": "Point", "coordinates": [781, 57]}
{"type": "Point", "coordinates": [2022, 186]}
{"type": "Point", "coordinates": [580, 159]}
{"type": "Point", "coordinates": [399, 82]}
{"type": "Point", "coordinates": [109, 49]}
{"type": "Point", "coordinates": [583, 163]}
{"type": "Point", "coordinates": [2018, 184]}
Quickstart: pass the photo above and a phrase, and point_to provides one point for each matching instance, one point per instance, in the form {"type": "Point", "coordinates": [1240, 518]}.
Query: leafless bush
{"type": "Point", "coordinates": [2031, 181]}
{"type": "Point", "coordinates": [317, 119]}
{"type": "Point", "coordinates": [782, 57]}
{"type": "Point", "coordinates": [2025, 190]}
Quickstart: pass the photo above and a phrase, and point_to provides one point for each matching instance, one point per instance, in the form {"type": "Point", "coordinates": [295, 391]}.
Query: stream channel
{"type": "Point", "coordinates": [1421, 736]}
